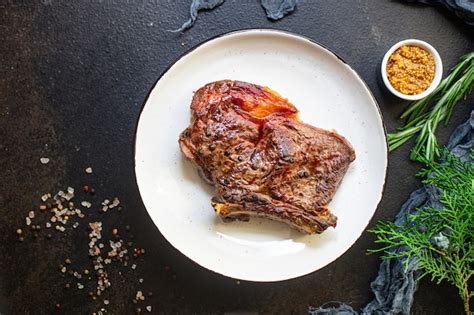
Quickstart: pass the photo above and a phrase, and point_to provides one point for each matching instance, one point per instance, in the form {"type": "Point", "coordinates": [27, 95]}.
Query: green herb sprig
{"type": "Point", "coordinates": [424, 119]}
{"type": "Point", "coordinates": [453, 260]}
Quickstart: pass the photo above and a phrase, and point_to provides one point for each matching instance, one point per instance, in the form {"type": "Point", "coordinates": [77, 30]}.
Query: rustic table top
{"type": "Point", "coordinates": [73, 78]}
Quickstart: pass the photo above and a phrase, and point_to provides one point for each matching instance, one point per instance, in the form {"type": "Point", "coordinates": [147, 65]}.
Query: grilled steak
{"type": "Point", "coordinates": [247, 141]}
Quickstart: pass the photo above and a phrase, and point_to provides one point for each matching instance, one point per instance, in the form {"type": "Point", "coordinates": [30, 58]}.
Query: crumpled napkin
{"type": "Point", "coordinates": [277, 9]}
{"type": "Point", "coordinates": [393, 287]}
{"type": "Point", "coordinates": [274, 9]}
{"type": "Point", "coordinates": [464, 9]}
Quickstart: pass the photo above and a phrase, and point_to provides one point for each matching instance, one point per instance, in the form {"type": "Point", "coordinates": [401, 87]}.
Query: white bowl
{"type": "Point", "coordinates": [438, 69]}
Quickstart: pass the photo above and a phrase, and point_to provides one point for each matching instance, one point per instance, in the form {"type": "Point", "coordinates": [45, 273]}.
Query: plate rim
{"type": "Point", "coordinates": [263, 30]}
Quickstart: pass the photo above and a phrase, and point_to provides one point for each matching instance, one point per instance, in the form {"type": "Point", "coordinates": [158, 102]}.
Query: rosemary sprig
{"type": "Point", "coordinates": [423, 119]}
{"type": "Point", "coordinates": [452, 258]}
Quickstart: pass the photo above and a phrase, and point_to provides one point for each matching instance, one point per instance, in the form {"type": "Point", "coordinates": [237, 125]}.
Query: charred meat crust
{"type": "Point", "coordinates": [248, 141]}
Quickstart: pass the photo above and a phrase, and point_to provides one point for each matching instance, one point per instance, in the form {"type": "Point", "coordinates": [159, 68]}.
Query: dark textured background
{"type": "Point", "coordinates": [73, 77]}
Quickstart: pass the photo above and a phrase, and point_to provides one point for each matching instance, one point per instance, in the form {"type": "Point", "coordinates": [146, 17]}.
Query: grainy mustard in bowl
{"type": "Point", "coordinates": [412, 69]}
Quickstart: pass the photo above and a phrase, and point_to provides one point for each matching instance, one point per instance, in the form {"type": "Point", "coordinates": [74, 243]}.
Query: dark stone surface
{"type": "Point", "coordinates": [73, 77]}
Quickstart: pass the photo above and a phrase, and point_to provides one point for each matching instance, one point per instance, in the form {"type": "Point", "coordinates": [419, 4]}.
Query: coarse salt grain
{"type": "Point", "coordinates": [89, 170]}
{"type": "Point", "coordinates": [86, 204]}
{"type": "Point", "coordinates": [70, 194]}
{"type": "Point", "coordinates": [48, 225]}
{"type": "Point", "coordinates": [139, 295]}
{"type": "Point", "coordinates": [28, 221]}
{"type": "Point", "coordinates": [44, 160]}
{"type": "Point", "coordinates": [31, 214]}
{"type": "Point", "coordinates": [114, 203]}
{"type": "Point", "coordinates": [148, 308]}
{"type": "Point", "coordinates": [45, 197]}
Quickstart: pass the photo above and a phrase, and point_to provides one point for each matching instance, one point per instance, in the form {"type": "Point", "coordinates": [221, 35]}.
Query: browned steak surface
{"type": "Point", "coordinates": [247, 141]}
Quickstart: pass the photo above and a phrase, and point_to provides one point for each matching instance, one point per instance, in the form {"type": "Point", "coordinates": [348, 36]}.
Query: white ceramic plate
{"type": "Point", "coordinates": [328, 93]}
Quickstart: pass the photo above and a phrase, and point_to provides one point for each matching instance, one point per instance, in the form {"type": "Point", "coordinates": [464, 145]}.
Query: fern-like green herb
{"type": "Point", "coordinates": [423, 116]}
{"type": "Point", "coordinates": [451, 257]}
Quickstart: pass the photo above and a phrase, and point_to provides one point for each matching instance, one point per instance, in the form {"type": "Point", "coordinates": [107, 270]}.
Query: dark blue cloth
{"type": "Point", "coordinates": [274, 9]}
{"type": "Point", "coordinates": [393, 287]}
{"type": "Point", "coordinates": [196, 6]}
{"type": "Point", "coordinates": [464, 9]}
{"type": "Point", "coordinates": [277, 9]}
